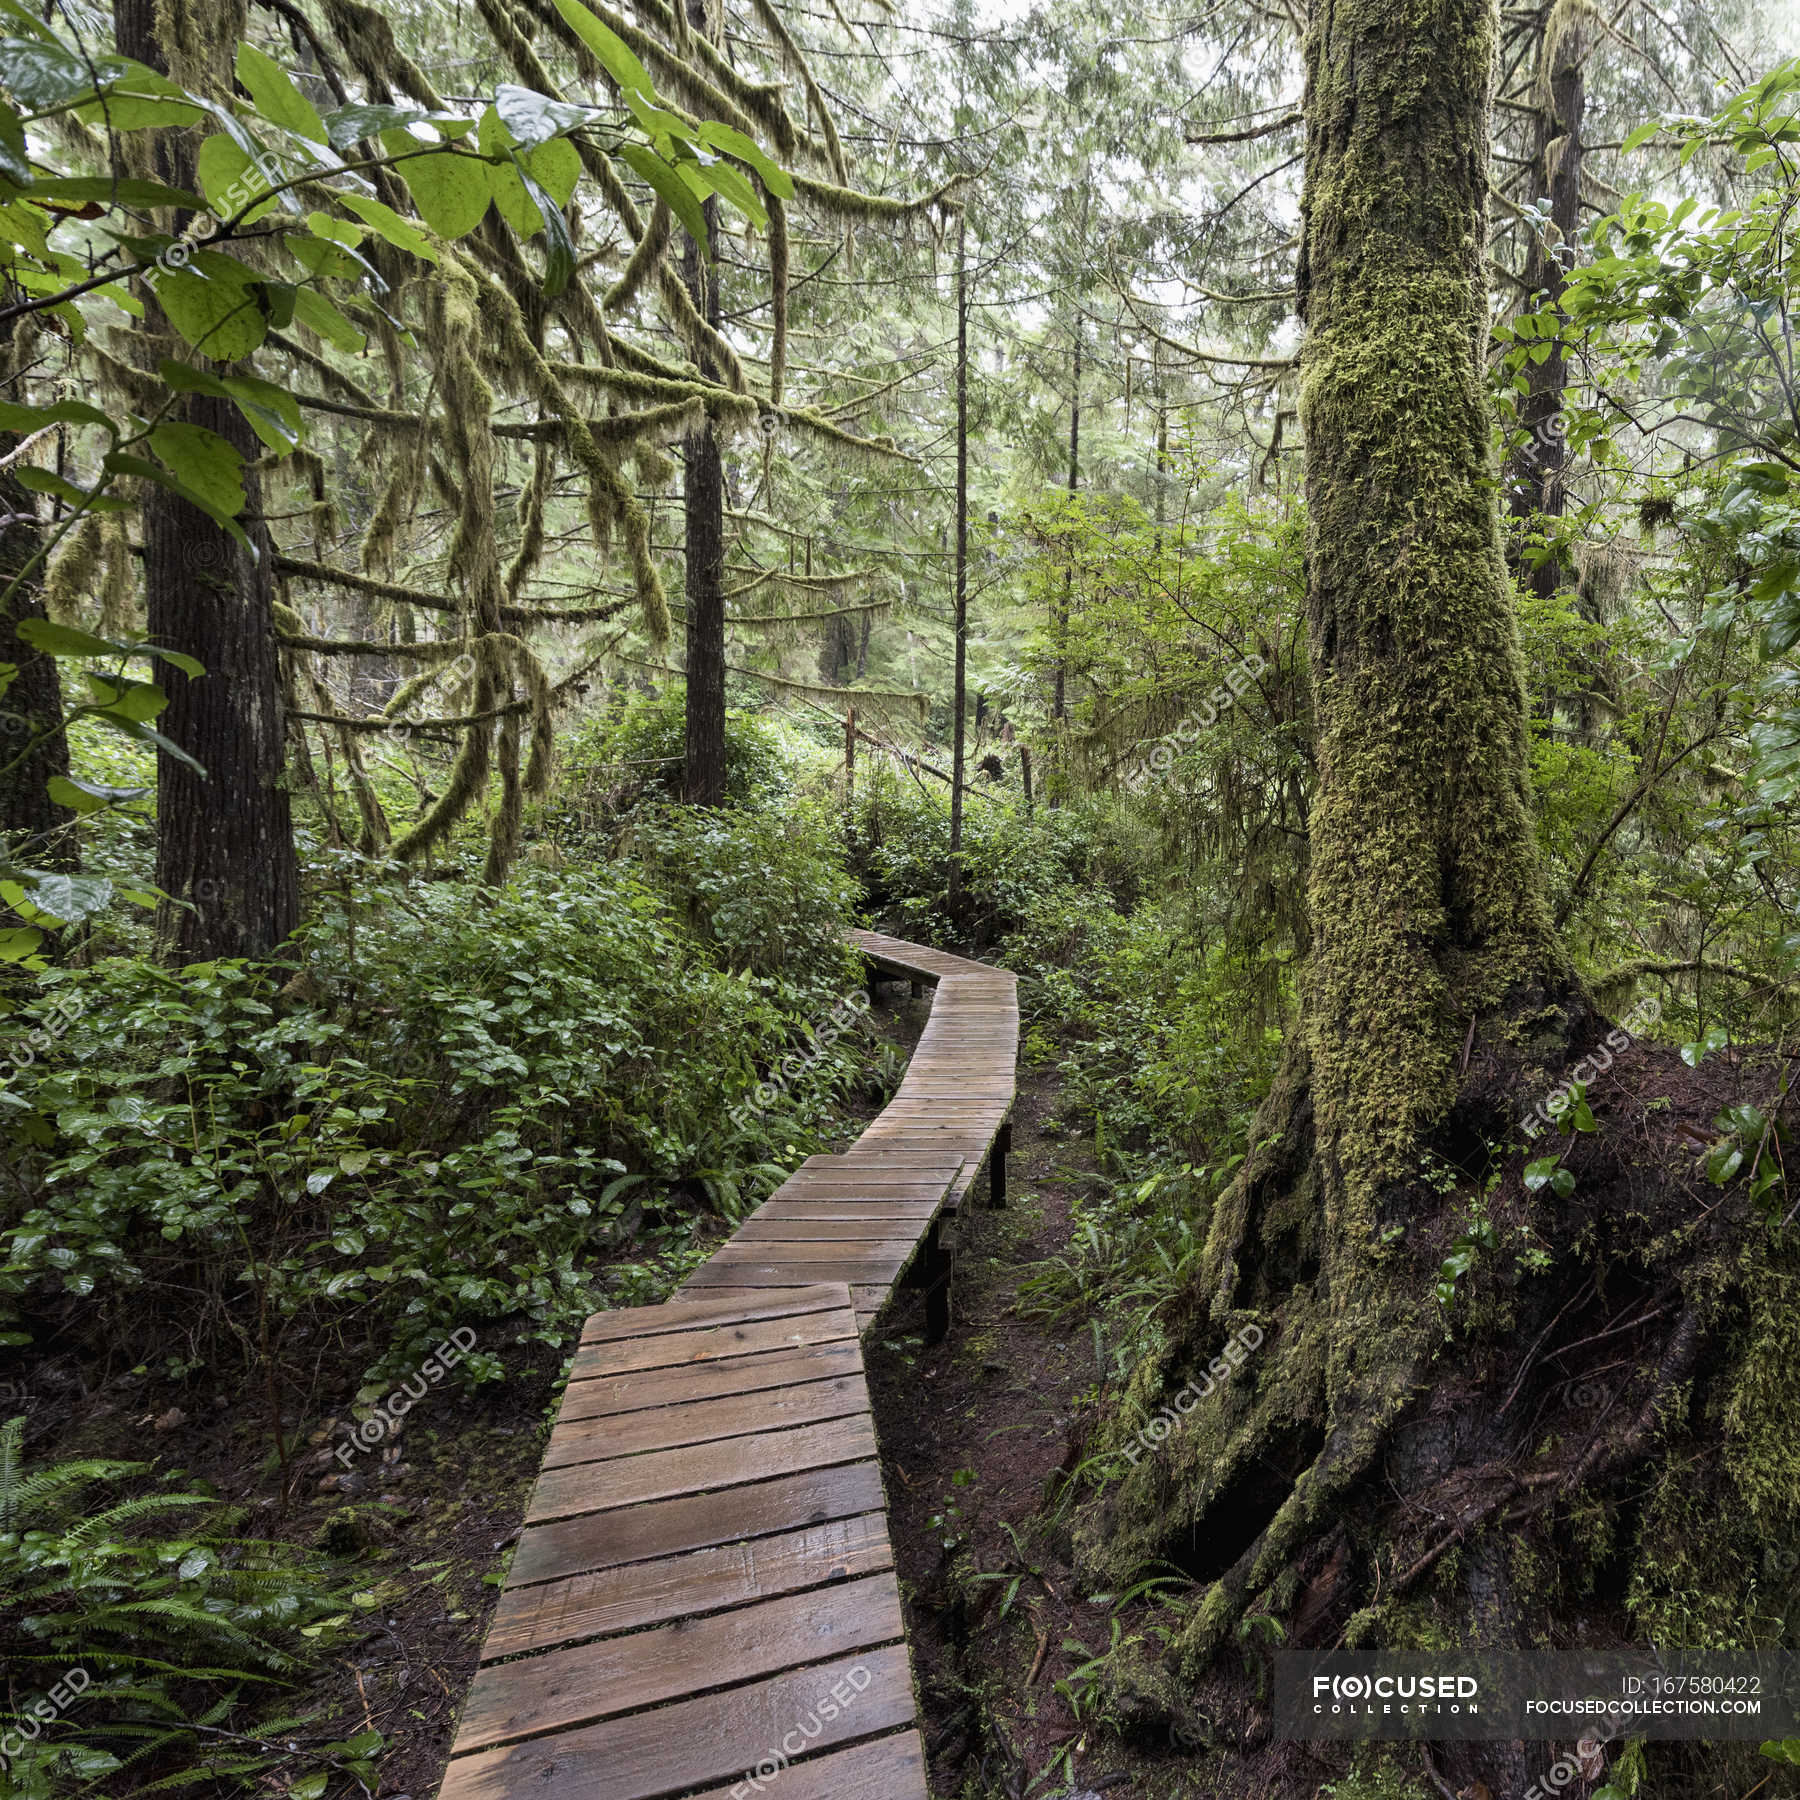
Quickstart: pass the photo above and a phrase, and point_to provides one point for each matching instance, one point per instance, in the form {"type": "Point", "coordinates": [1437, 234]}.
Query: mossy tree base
{"type": "Point", "coordinates": [1382, 1473]}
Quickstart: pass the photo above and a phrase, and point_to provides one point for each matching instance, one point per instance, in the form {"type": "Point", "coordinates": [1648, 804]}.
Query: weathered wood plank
{"type": "Point", "coordinates": [709, 1380]}
{"type": "Point", "coordinates": [688, 1349]}
{"type": "Point", "coordinates": [694, 1469]}
{"type": "Point", "coordinates": [642, 1534]}
{"type": "Point", "coordinates": [605, 1601]}
{"type": "Point", "coordinates": [685, 1315]}
{"type": "Point", "coordinates": [563, 1688]}
{"type": "Point", "coordinates": [704, 1421]}
{"type": "Point", "coordinates": [716, 1738]}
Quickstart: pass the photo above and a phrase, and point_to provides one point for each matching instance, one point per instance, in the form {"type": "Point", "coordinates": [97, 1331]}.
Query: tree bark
{"type": "Point", "coordinates": [33, 828]}
{"type": "Point", "coordinates": [1537, 477]}
{"type": "Point", "coordinates": [959, 699]}
{"type": "Point", "coordinates": [225, 840]}
{"type": "Point", "coordinates": [703, 507]}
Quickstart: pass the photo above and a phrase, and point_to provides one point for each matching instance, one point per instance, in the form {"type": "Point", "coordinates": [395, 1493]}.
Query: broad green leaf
{"type": "Point", "coordinates": [24, 419]}
{"type": "Point", "coordinates": [276, 97]}
{"type": "Point", "coordinates": [47, 481]}
{"type": "Point", "coordinates": [204, 463]}
{"type": "Point", "coordinates": [126, 108]}
{"type": "Point", "coordinates": [559, 247]}
{"type": "Point", "coordinates": [214, 304]}
{"type": "Point", "coordinates": [1642, 135]}
{"type": "Point", "coordinates": [450, 188]}
{"type": "Point", "coordinates": [68, 898]}
{"type": "Point", "coordinates": [90, 796]}
{"type": "Point", "coordinates": [231, 180]}
{"type": "Point", "coordinates": [725, 137]}
{"type": "Point", "coordinates": [324, 260]}
{"type": "Point", "coordinates": [320, 315]}
{"type": "Point", "coordinates": [119, 463]}
{"type": "Point", "coordinates": [40, 75]}
{"type": "Point", "coordinates": [401, 233]}
{"type": "Point", "coordinates": [664, 180]}
{"type": "Point", "coordinates": [338, 231]}
{"type": "Point", "coordinates": [611, 50]}
{"type": "Point", "coordinates": [17, 942]}
{"type": "Point", "coordinates": [349, 125]}
{"type": "Point", "coordinates": [79, 190]}
{"type": "Point", "coordinates": [534, 119]}
{"type": "Point", "coordinates": [123, 698]}
{"type": "Point", "coordinates": [730, 185]}
{"type": "Point", "coordinates": [51, 639]}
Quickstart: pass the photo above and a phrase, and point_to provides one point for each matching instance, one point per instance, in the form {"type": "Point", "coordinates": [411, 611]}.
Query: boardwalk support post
{"type": "Point", "coordinates": [997, 1166]}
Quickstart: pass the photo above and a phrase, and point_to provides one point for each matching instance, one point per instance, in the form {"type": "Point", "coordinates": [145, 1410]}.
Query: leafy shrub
{"type": "Point", "coordinates": [642, 749]}
{"type": "Point", "coordinates": [447, 1110]}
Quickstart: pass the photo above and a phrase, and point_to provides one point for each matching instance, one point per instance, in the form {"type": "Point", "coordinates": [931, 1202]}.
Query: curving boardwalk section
{"type": "Point", "coordinates": [703, 1600]}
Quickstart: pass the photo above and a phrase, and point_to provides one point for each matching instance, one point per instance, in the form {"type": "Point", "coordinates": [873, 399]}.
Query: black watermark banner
{"type": "Point", "coordinates": [1531, 1695]}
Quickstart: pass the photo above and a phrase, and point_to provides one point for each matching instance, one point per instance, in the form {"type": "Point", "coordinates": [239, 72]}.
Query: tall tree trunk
{"type": "Point", "coordinates": [1059, 702]}
{"type": "Point", "coordinates": [225, 839]}
{"type": "Point", "coordinates": [1436, 1001]}
{"type": "Point", "coordinates": [33, 828]}
{"type": "Point", "coordinates": [703, 505]}
{"type": "Point", "coordinates": [1537, 476]}
{"type": "Point", "coordinates": [959, 700]}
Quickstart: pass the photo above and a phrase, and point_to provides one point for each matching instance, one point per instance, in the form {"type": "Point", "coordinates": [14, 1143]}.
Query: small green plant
{"type": "Point", "coordinates": [174, 1623]}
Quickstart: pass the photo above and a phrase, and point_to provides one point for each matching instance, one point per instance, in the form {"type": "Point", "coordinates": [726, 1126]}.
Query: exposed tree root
{"type": "Point", "coordinates": [1525, 1467]}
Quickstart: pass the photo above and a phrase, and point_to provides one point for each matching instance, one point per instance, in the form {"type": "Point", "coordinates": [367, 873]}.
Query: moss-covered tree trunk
{"type": "Point", "coordinates": [224, 840]}
{"type": "Point", "coordinates": [1390, 1465]}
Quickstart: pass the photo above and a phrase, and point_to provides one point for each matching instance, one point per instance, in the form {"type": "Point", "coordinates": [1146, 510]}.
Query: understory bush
{"type": "Point", "coordinates": [443, 1112]}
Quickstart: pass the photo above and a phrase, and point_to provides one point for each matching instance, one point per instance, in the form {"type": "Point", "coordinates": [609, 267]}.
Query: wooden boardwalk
{"type": "Point", "coordinates": [703, 1601]}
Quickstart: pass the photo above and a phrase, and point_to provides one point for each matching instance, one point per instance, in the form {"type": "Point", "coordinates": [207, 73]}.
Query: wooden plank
{"type": "Point", "coordinates": [681, 1349]}
{"type": "Point", "coordinates": [709, 1380]}
{"type": "Point", "coordinates": [715, 1738]}
{"type": "Point", "coordinates": [677, 1315]}
{"type": "Point", "coordinates": [890, 1768]}
{"type": "Point", "coordinates": [921, 1212]}
{"type": "Point", "coordinates": [695, 1468]}
{"type": "Point", "coordinates": [704, 1421]}
{"type": "Point", "coordinates": [605, 1601]}
{"type": "Point", "coordinates": [819, 1227]}
{"type": "Point", "coordinates": [806, 1248]}
{"type": "Point", "coordinates": [669, 1527]}
{"type": "Point", "coordinates": [784, 1275]}
{"type": "Point", "coordinates": [563, 1688]}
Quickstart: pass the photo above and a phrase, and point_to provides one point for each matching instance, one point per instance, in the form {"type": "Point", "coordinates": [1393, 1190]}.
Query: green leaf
{"type": "Point", "coordinates": [534, 119]}
{"type": "Point", "coordinates": [90, 796]}
{"type": "Point", "coordinates": [320, 315]}
{"type": "Point", "coordinates": [214, 304]}
{"type": "Point", "coordinates": [231, 180]}
{"type": "Point", "coordinates": [450, 188]}
{"type": "Point", "coordinates": [122, 698]}
{"type": "Point", "coordinates": [1643, 134]}
{"type": "Point", "coordinates": [276, 97]}
{"type": "Point", "coordinates": [68, 899]}
{"type": "Point", "coordinates": [724, 137]}
{"type": "Point", "coordinates": [15, 160]}
{"type": "Point", "coordinates": [611, 50]}
{"type": "Point", "coordinates": [349, 125]}
{"type": "Point", "coordinates": [399, 232]}
{"type": "Point", "coordinates": [117, 463]}
{"type": "Point", "coordinates": [80, 190]}
{"type": "Point", "coordinates": [559, 250]}
{"type": "Point", "coordinates": [65, 640]}
{"type": "Point", "coordinates": [730, 185]}
{"type": "Point", "coordinates": [26, 419]}
{"type": "Point", "coordinates": [40, 75]}
{"type": "Point", "coordinates": [663, 180]}
{"type": "Point", "coordinates": [204, 463]}
{"type": "Point", "coordinates": [47, 481]}
{"type": "Point", "coordinates": [273, 412]}
{"type": "Point", "coordinates": [17, 942]}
